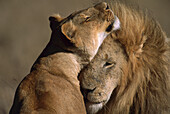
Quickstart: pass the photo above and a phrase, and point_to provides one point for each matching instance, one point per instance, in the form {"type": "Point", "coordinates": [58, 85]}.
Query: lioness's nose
{"type": "Point", "coordinates": [102, 6]}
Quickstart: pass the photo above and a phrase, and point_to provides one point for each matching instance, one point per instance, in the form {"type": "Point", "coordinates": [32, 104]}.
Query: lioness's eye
{"type": "Point", "coordinates": [87, 19]}
{"type": "Point", "coordinates": [109, 64]}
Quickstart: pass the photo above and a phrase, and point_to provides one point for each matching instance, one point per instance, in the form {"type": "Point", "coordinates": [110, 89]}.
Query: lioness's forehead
{"type": "Point", "coordinates": [79, 16]}
{"type": "Point", "coordinates": [88, 12]}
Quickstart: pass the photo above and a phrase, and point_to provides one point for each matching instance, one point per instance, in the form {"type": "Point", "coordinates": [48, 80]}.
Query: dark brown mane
{"type": "Point", "coordinates": [143, 87]}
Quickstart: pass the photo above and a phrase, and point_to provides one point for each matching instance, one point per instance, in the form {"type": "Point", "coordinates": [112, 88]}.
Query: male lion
{"type": "Point", "coordinates": [52, 85]}
{"type": "Point", "coordinates": [130, 71]}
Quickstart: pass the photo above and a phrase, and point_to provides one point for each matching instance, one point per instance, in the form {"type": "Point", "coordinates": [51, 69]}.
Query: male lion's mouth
{"type": "Point", "coordinates": [93, 107]}
{"type": "Point", "coordinates": [94, 102]}
{"type": "Point", "coordinates": [95, 96]}
{"type": "Point", "coordinates": [91, 98]}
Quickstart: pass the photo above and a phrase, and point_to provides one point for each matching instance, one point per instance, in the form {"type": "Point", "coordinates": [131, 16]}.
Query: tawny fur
{"type": "Point", "coordinates": [52, 85]}
{"type": "Point", "coordinates": [143, 85]}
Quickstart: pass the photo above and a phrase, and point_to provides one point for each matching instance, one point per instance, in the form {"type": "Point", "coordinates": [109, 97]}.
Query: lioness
{"type": "Point", "coordinates": [129, 73]}
{"type": "Point", "coordinates": [52, 85]}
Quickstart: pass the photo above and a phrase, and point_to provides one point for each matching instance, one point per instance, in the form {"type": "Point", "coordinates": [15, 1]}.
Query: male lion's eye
{"type": "Point", "coordinates": [109, 64]}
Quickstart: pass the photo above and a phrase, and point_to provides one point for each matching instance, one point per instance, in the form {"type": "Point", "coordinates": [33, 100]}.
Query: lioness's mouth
{"type": "Point", "coordinates": [114, 25]}
{"type": "Point", "coordinates": [109, 28]}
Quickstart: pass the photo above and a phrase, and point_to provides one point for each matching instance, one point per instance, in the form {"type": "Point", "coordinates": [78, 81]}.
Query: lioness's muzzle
{"type": "Point", "coordinates": [114, 25]}
{"type": "Point", "coordinates": [110, 27]}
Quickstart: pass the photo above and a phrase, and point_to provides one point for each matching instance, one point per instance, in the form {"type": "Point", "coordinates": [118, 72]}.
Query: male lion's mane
{"type": "Point", "coordinates": [143, 86]}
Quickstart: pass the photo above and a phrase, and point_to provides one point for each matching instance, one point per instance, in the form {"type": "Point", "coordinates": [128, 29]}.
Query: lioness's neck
{"type": "Point", "coordinates": [63, 61]}
{"type": "Point", "coordinates": [58, 61]}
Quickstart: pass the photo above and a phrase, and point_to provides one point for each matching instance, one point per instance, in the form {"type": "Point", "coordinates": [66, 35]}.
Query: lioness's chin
{"type": "Point", "coordinates": [93, 108]}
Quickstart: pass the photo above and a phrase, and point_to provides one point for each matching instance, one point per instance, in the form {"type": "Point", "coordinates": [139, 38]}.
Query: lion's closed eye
{"type": "Point", "coordinates": [109, 65]}
{"type": "Point", "coordinates": [87, 19]}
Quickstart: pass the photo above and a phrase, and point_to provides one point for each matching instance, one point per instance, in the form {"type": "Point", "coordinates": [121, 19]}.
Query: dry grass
{"type": "Point", "coordinates": [24, 32]}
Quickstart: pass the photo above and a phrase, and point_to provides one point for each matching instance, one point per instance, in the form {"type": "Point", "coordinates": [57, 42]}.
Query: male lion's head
{"type": "Point", "coordinates": [85, 30]}
{"type": "Point", "coordinates": [129, 72]}
{"type": "Point", "coordinates": [103, 74]}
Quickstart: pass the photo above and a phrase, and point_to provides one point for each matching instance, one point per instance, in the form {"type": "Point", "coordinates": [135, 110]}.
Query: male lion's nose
{"type": "Point", "coordinates": [102, 6]}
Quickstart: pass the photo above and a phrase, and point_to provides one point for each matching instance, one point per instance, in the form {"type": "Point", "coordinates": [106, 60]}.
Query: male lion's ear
{"type": "Point", "coordinates": [54, 21]}
{"type": "Point", "coordinates": [69, 30]}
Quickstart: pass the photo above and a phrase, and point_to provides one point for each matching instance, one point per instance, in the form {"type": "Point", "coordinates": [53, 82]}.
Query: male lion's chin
{"type": "Point", "coordinates": [93, 108]}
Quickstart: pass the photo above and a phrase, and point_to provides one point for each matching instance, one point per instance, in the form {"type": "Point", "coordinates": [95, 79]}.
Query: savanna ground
{"type": "Point", "coordinates": [24, 32]}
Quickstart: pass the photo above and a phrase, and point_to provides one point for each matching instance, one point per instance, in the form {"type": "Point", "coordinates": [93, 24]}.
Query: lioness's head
{"type": "Point", "coordinates": [85, 30]}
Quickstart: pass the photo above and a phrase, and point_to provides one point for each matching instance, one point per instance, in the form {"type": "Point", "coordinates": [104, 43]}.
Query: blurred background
{"type": "Point", "coordinates": [25, 31]}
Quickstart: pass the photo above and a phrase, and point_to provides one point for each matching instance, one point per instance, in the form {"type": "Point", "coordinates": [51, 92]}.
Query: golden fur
{"type": "Point", "coordinates": [52, 85]}
{"type": "Point", "coordinates": [132, 65]}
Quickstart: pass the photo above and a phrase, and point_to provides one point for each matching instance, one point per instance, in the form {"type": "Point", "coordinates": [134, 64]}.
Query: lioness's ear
{"type": "Point", "coordinates": [69, 30]}
{"type": "Point", "coordinates": [54, 21]}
